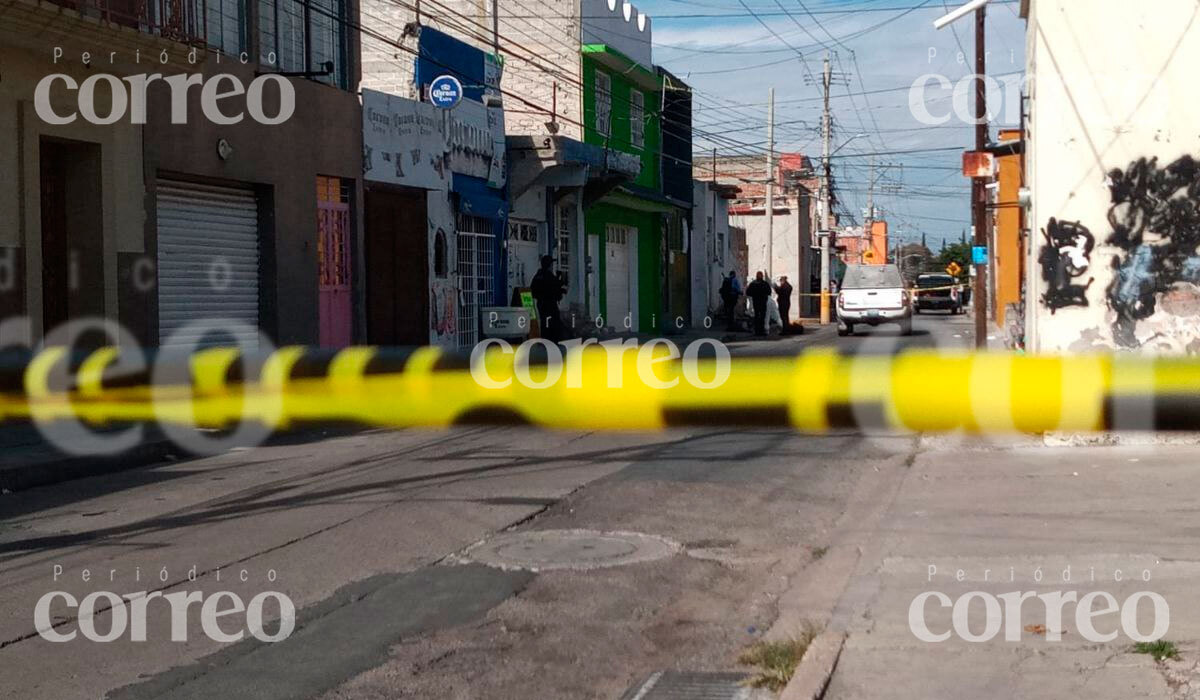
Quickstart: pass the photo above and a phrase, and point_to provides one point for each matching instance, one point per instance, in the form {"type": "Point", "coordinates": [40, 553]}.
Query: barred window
{"type": "Point", "coordinates": [637, 119]}
{"type": "Point", "coordinates": [565, 214]}
{"type": "Point", "coordinates": [603, 103]}
{"type": "Point", "coordinates": [305, 36]}
{"type": "Point", "coordinates": [225, 24]}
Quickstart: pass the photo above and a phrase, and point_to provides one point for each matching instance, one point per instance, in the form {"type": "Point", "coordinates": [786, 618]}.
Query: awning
{"type": "Point", "coordinates": [638, 198]}
{"type": "Point", "coordinates": [477, 199]}
{"type": "Point", "coordinates": [558, 161]}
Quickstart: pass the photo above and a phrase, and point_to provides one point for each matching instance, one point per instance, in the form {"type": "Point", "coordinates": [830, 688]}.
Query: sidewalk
{"type": "Point", "coordinates": [993, 521]}
{"type": "Point", "coordinates": [28, 460]}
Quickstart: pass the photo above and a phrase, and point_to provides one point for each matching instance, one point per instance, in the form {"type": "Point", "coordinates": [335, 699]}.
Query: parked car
{"type": "Point", "coordinates": [938, 292]}
{"type": "Point", "coordinates": [873, 295]}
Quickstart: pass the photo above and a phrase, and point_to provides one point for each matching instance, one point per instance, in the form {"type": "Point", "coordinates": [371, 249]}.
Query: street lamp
{"type": "Point", "coordinates": [847, 143]}
{"type": "Point", "coordinates": [978, 196]}
{"type": "Point", "coordinates": [959, 13]}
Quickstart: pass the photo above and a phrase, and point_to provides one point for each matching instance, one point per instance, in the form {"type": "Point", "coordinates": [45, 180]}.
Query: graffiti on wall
{"type": "Point", "coordinates": [1155, 223]}
{"type": "Point", "coordinates": [1065, 259]}
{"type": "Point", "coordinates": [443, 318]}
{"type": "Point", "coordinates": [443, 287]}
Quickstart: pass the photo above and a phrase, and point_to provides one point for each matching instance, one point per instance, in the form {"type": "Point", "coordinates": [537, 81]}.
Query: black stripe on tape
{"type": "Point", "coordinates": [491, 415]}
{"type": "Point", "coordinates": [1165, 412]}
{"type": "Point", "coordinates": [856, 416]}
{"type": "Point", "coordinates": [452, 362]}
{"type": "Point", "coordinates": [775, 416]}
{"type": "Point", "coordinates": [388, 361]}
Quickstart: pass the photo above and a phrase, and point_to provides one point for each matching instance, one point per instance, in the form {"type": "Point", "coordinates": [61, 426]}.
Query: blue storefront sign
{"type": "Point", "coordinates": [445, 91]}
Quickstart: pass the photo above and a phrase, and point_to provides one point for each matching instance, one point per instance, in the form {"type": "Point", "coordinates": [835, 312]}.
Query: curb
{"type": "Point", "coordinates": [40, 464]}
{"type": "Point", "coordinates": [816, 667]}
{"type": "Point", "coordinates": [50, 468]}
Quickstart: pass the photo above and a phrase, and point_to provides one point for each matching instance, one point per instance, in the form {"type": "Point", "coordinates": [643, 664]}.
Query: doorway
{"type": "Point", "coordinates": [333, 262]}
{"type": "Point", "coordinates": [72, 234]}
{"type": "Point", "coordinates": [397, 263]}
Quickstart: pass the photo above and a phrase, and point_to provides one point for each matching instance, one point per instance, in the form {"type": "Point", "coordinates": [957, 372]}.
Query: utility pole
{"type": "Point", "coordinates": [716, 254]}
{"type": "Point", "coordinates": [496, 27]}
{"type": "Point", "coordinates": [770, 212]}
{"type": "Point", "coordinates": [825, 205]}
{"type": "Point", "coordinates": [869, 223]}
{"type": "Point", "coordinates": [871, 195]}
{"type": "Point", "coordinates": [978, 190]}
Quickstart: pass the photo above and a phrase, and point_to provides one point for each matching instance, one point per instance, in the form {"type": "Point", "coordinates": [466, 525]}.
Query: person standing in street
{"type": "Point", "coordinates": [783, 292]}
{"type": "Point", "coordinates": [730, 291]}
{"type": "Point", "coordinates": [548, 289]}
{"type": "Point", "coordinates": [759, 292]}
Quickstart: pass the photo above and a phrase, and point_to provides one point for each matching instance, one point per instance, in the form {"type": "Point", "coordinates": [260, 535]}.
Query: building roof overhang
{"type": "Point", "coordinates": [559, 161]}
{"type": "Point", "coordinates": [609, 57]}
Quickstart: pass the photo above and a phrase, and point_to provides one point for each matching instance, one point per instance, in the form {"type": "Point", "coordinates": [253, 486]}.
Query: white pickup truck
{"type": "Point", "coordinates": [873, 295]}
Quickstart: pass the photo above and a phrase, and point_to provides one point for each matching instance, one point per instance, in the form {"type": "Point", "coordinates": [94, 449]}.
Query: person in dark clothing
{"type": "Point", "coordinates": [783, 292]}
{"type": "Point", "coordinates": [759, 292]}
{"type": "Point", "coordinates": [730, 291]}
{"type": "Point", "coordinates": [548, 289]}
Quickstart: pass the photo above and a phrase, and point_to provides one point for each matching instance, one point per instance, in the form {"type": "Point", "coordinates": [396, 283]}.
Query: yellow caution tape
{"type": "Point", "coordinates": [639, 389]}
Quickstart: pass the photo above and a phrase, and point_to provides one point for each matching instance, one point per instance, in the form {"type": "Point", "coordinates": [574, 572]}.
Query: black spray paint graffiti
{"type": "Point", "coordinates": [1066, 258]}
{"type": "Point", "coordinates": [1155, 220]}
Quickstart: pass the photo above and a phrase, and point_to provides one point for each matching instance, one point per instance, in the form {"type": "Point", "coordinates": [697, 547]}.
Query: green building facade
{"type": "Point", "coordinates": [626, 228]}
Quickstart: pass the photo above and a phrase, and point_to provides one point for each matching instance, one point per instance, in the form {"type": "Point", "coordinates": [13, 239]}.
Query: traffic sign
{"type": "Point", "coordinates": [953, 269]}
{"type": "Point", "coordinates": [445, 91]}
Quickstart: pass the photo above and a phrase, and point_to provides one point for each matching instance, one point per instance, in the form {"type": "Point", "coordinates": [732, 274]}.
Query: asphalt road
{"type": "Point", "coordinates": [931, 330]}
{"type": "Point", "coordinates": [360, 533]}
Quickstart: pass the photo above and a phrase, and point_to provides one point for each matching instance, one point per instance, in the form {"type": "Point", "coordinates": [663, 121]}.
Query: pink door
{"type": "Point", "coordinates": [333, 252]}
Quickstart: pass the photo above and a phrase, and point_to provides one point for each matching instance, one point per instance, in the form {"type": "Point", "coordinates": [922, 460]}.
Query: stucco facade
{"type": "Point", "coordinates": [71, 267]}
{"type": "Point", "coordinates": [1112, 143]}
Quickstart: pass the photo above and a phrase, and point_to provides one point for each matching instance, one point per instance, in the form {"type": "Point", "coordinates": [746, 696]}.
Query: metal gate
{"type": "Point", "coordinates": [333, 261]}
{"type": "Point", "coordinates": [475, 265]}
{"type": "Point", "coordinates": [208, 263]}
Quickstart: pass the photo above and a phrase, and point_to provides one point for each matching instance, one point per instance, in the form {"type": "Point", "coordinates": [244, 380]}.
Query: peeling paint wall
{"type": "Point", "coordinates": [1113, 162]}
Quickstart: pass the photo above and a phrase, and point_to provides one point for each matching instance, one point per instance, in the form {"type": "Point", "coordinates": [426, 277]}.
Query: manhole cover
{"type": "Point", "coordinates": [544, 550]}
{"type": "Point", "coordinates": [690, 685]}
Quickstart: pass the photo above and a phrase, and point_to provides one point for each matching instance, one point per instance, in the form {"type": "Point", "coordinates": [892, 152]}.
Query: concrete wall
{"type": "Point", "coordinates": [539, 38]}
{"type": "Point", "coordinates": [712, 255]}
{"type": "Point", "coordinates": [618, 24]}
{"type": "Point", "coordinates": [121, 192]}
{"type": "Point", "coordinates": [788, 253]}
{"type": "Point", "coordinates": [323, 137]}
{"type": "Point", "coordinates": [387, 67]}
{"type": "Point", "coordinates": [552, 78]}
{"type": "Point", "coordinates": [1115, 223]}
{"type": "Point", "coordinates": [1008, 248]}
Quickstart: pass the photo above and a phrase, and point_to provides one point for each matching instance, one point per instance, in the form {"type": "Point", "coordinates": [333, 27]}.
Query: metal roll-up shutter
{"type": "Point", "coordinates": [208, 264]}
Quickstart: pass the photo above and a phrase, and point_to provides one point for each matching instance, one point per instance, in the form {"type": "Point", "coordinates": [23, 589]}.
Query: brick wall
{"type": "Point", "coordinates": [539, 40]}
{"type": "Point", "coordinates": [388, 68]}
{"type": "Point", "coordinates": [548, 29]}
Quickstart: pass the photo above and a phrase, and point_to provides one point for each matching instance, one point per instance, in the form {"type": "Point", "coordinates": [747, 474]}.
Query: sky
{"type": "Point", "coordinates": [878, 49]}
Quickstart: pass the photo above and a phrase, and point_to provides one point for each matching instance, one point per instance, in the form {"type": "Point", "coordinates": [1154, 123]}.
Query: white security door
{"type": "Point", "coordinates": [475, 268]}
{"type": "Point", "coordinates": [208, 264]}
{"type": "Point", "coordinates": [617, 276]}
